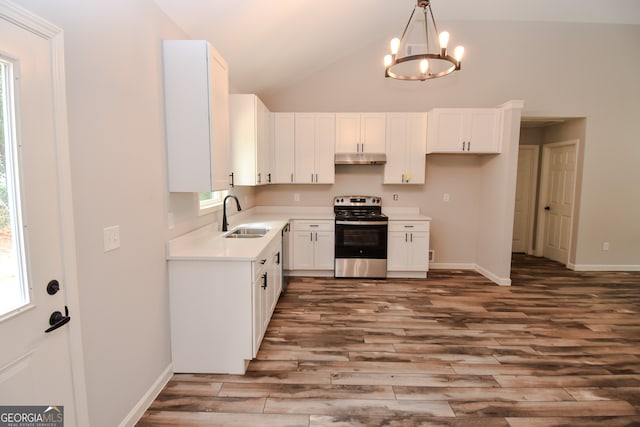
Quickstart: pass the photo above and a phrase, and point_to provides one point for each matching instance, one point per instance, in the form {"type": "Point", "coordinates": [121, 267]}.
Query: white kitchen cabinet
{"type": "Point", "coordinates": [313, 245]}
{"type": "Point", "coordinates": [250, 140]}
{"type": "Point", "coordinates": [314, 148]}
{"type": "Point", "coordinates": [408, 249]}
{"type": "Point", "coordinates": [405, 148]}
{"type": "Point", "coordinates": [267, 285]}
{"type": "Point", "coordinates": [464, 130]}
{"type": "Point", "coordinates": [219, 310]}
{"type": "Point", "coordinates": [197, 116]}
{"type": "Point", "coordinates": [283, 153]}
{"type": "Point", "coordinates": [360, 132]}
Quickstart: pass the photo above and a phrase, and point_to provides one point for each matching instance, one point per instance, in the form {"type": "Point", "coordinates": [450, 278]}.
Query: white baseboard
{"type": "Point", "coordinates": [147, 399]}
{"type": "Point", "coordinates": [599, 267]}
{"type": "Point", "coordinates": [502, 281]}
{"type": "Point", "coordinates": [451, 266]}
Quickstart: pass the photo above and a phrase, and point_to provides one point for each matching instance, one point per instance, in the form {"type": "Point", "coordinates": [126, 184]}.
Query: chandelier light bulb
{"type": "Point", "coordinates": [458, 53]}
{"type": "Point", "coordinates": [444, 39]}
{"type": "Point", "coordinates": [424, 66]}
{"type": "Point", "coordinates": [395, 45]}
{"type": "Point", "coordinates": [387, 60]}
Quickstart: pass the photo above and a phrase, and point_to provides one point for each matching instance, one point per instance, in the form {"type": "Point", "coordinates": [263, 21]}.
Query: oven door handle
{"type": "Point", "coordinates": [362, 222]}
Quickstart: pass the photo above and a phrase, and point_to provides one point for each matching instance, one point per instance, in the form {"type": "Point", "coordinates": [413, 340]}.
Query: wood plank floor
{"type": "Point", "coordinates": [557, 348]}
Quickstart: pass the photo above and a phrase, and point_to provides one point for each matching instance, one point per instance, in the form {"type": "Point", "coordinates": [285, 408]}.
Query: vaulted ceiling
{"type": "Point", "coordinates": [268, 43]}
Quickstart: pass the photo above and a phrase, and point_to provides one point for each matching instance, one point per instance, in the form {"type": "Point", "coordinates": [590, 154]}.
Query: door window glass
{"type": "Point", "coordinates": [14, 289]}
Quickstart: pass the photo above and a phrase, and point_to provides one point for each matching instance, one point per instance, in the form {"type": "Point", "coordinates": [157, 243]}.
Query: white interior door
{"type": "Point", "coordinates": [555, 216]}
{"type": "Point", "coordinates": [526, 184]}
{"type": "Point", "coordinates": [35, 365]}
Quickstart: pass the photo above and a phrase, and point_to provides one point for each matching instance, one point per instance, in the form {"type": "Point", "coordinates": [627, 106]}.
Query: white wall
{"type": "Point", "coordinates": [564, 70]}
{"type": "Point", "coordinates": [117, 149]}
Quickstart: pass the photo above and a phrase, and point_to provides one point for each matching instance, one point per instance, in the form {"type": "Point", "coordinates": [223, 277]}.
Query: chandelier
{"type": "Point", "coordinates": [413, 56]}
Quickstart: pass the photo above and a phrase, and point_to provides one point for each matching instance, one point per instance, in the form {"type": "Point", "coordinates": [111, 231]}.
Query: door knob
{"type": "Point", "coordinates": [57, 320]}
{"type": "Point", "coordinates": [53, 287]}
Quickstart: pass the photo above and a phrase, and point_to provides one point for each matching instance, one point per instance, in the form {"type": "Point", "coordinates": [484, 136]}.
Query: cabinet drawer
{"type": "Point", "coordinates": [408, 225]}
{"type": "Point", "coordinates": [308, 225]}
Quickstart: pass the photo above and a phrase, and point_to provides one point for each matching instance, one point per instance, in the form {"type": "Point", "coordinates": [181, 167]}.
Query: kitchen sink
{"type": "Point", "coordinates": [247, 233]}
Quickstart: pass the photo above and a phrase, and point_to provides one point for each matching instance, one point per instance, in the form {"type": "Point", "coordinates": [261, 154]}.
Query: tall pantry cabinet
{"type": "Point", "coordinates": [196, 84]}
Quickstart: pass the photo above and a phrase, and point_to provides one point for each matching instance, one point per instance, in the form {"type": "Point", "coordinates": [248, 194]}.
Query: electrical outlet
{"type": "Point", "coordinates": [446, 197]}
{"type": "Point", "coordinates": [296, 197]}
{"type": "Point", "coordinates": [111, 236]}
{"type": "Point", "coordinates": [605, 246]}
{"type": "Point", "coordinates": [396, 197]}
{"type": "Point", "coordinates": [432, 255]}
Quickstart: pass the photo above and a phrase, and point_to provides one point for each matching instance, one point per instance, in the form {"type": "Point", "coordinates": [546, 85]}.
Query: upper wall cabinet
{"type": "Point", "coordinates": [250, 140]}
{"type": "Point", "coordinates": [283, 160]}
{"type": "Point", "coordinates": [464, 130]}
{"type": "Point", "coordinates": [406, 144]}
{"type": "Point", "coordinates": [315, 135]}
{"type": "Point", "coordinates": [360, 132]}
{"type": "Point", "coordinates": [197, 116]}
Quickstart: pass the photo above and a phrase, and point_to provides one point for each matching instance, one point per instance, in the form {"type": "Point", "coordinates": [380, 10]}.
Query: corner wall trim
{"type": "Point", "coordinates": [502, 281]}
{"type": "Point", "coordinates": [147, 399]}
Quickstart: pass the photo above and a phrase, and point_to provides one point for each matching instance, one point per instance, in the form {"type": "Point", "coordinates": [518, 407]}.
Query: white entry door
{"type": "Point", "coordinates": [555, 217]}
{"type": "Point", "coordinates": [526, 184]}
{"type": "Point", "coordinates": [37, 254]}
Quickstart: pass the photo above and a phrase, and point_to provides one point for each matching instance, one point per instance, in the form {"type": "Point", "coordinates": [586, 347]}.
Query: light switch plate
{"type": "Point", "coordinates": [111, 238]}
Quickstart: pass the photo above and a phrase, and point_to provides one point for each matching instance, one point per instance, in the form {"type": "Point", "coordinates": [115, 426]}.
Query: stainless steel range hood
{"type": "Point", "coordinates": [361, 158]}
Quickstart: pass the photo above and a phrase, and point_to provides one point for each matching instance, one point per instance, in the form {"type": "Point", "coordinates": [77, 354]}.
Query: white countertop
{"type": "Point", "coordinates": [209, 244]}
{"type": "Point", "coordinates": [405, 214]}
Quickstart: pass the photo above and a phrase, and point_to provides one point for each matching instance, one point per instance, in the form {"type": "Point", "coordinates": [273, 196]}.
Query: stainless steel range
{"type": "Point", "coordinates": [361, 237]}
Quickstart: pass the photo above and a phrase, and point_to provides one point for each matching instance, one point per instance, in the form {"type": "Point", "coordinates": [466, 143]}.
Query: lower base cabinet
{"type": "Point", "coordinates": [313, 247]}
{"type": "Point", "coordinates": [408, 249]}
{"type": "Point", "coordinates": [220, 310]}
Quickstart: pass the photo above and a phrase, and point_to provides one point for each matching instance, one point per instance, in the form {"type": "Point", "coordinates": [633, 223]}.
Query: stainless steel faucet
{"type": "Point", "coordinates": [225, 224]}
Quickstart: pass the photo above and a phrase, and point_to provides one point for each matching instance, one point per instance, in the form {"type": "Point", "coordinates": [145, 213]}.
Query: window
{"type": "Point", "coordinates": [211, 200]}
{"type": "Point", "coordinates": [14, 288]}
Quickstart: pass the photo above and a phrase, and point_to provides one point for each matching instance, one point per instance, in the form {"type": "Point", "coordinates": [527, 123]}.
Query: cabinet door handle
{"type": "Point", "coordinates": [311, 236]}
{"type": "Point", "coordinates": [408, 226]}
{"type": "Point", "coordinates": [259, 178]}
{"type": "Point", "coordinates": [314, 225]}
{"type": "Point", "coordinates": [262, 261]}
{"type": "Point", "coordinates": [406, 238]}
{"type": "Point", "coordinates": [411, 237]}
{"type": "Point", "coordinates": [278, 258]}
{"type": "Point", "coordinates": [463, 142]}
{"type": "Point", "coordinates": [231, 176]}
{"type": "Point", "coordinates": [291, 177]}
{"type": "Point", "coordinates": [311, 177]}
{"type": "Point", "coordinates": [264, 281]}
{"type": "Point", "coordinates": [468, 145]}
{"type": "Point", "coordinates": [269, 177]}
{"type": "Point", "coordinates": [316, 177]}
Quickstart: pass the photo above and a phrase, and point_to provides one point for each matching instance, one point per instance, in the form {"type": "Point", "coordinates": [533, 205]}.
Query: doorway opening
{"type": "Point", "coordinates": [549, 176]}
